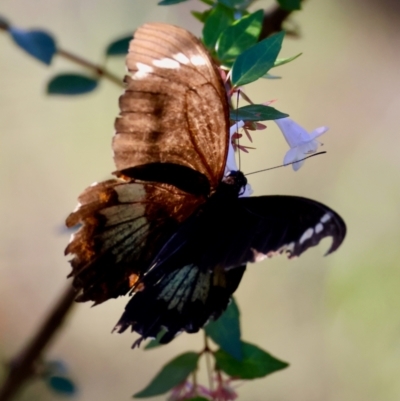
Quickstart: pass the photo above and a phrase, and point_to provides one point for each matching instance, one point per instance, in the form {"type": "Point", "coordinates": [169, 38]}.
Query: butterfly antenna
{"type": "Point", "coordinates": [287, 164]}
{"type": "Point", "coordinates": [238, 139]}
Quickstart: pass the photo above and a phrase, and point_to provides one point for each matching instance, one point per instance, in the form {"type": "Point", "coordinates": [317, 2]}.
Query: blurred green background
{"type": "Point", "coordinates": [335, 319]}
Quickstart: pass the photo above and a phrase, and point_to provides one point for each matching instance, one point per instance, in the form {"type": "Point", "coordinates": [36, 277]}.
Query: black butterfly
{"type": "Point", "coordinates": [171, 228]}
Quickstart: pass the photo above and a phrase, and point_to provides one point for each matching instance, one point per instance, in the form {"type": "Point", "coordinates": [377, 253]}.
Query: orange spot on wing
{"type": "Point", "coordinates": [133, 278]}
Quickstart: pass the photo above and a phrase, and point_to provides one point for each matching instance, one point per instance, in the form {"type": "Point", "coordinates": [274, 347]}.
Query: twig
{"type": "Point", "coordinates": [22, 367]}
{"type": "Point", "coordinates": [273, 21]}
{"type": "Point", "coordinates": [87, 64]}
{"type": "Point", "coordinates": [4, 26]}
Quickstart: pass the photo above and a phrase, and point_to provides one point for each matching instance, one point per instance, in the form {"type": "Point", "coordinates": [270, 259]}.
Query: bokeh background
{"type": "Point", "coordinates": [335, 319]}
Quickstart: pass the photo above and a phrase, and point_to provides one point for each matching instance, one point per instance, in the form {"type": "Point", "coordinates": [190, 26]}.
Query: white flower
{"type": "Point", "coordinates": [231, 161]}
{"type": "Point", "coordinates": [300, 141]}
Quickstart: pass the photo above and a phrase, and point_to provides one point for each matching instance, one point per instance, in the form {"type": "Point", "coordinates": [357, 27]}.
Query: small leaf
{"type": "Point", "coordinates": [290, 5]}
{"type": "Point", "coordinates": [237, 38]}
{"type": "Point", "coordinates": [235, 3]}
{"type": "Point", "coordinates": [170, 2]}
{"type": "Point", "coordinates": [218, 20]}
{"type": "Point", "coordinates": [61, 385]}
{"type": "Point", "coordinates": [38, 44]}
{"type": "Point", "coordinates": [172, 374]}
{"type": "Point", "coordinates": [256, 112]}
{"type": "Point", "coordinates": [255, 62]}
{"type": "Point", "coordinates": [270, 76]}
{"type": "Point", "coordinates": [226, 331]}
{"type": "Point", "coordinates": [119, 47]}
{"type": "Point", "coordinates": [208, 2]}
{"type": "Point", "coordinates": [201, 16]}
{"type": "Point", "coordinates": [256, 363]}
{"type": "Point", "coordinates": [282, 61]}
{"type": "Point", "coordinates": [71, 84]}
{"type": "Point", "coordinates": [55, 368]}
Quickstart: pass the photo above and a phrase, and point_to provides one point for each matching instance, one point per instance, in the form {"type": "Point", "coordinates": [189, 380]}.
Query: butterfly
{"type": "Point", "coordinates": [171, 228]}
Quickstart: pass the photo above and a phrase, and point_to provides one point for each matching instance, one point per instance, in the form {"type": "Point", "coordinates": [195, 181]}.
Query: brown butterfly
{"type": "Point", "coordinates": [171, 228]}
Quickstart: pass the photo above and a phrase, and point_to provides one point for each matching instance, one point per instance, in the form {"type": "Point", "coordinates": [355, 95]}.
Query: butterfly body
{"type": "Point", "coordinates": [172, 228]}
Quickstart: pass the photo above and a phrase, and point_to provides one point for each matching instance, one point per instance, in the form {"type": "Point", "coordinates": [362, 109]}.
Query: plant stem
{"type": "Point", "coordinates": [22, 367]}
{"type": "Point", "coordinates": [87, 64]}
{"type": "Point", "coordinates": [207, 352]}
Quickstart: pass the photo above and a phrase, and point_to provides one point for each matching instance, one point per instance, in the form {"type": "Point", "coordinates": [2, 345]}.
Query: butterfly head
{"type": "Point", "coordinates": [236, 181]}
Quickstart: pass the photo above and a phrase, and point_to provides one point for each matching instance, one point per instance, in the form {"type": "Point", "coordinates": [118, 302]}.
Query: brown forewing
{"type": "Point", "coordinates": [123, 224]}
{"type": "Point", "coordinates": [174, 108]}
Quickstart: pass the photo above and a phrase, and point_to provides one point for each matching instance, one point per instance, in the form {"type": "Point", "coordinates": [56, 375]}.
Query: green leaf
{"type": "Point", "coordinates": [208, 2]}
{"type": "Point", "coordinates": [71, 84]}
{"type": "Point", "coordinates": [55, 368]}
{"type": "Point", "coordinates": [237, 38]}
{"type": "Point", "coordinates": [270, 76]}
{"type": "Point", "coordinates": [201, 16]}
{"type": "Point", "coordinates": [119, 47]}
{"type": "Point", "coordinates": [61, 385]}
{"type": "Point", "coordinates": [256, 112]}
{"type": "Point", "coordinates": [256, 61]}
{"type": "Point", "coordinates": [170, 2]}
{"type": "Point", "coordinates": [172, 374]}
{"type": "Point", "coordinates": [218, 20]}
{"type": "Point", "coordinates": [256, 363]}
{"type": "Point", "coordinates": [156, 342]}
{"type": "Point", "coordinates": [38, 44]}
{"type": "Point", "coordinates": [282, 61]}
{"type": "Point", "coordinates": [235, 3]}
{"type": "Point", "coordinates": [226, 331]}
{"type": "Point", "coordinates": [290, 5]}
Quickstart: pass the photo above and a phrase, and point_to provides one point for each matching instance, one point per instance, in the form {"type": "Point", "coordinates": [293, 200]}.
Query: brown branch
{"type": "Point", "coordinates": [23, 366]}
{"type": "Point", "coordinates": [87, 64]}
{"type": "Point", "coordinates": [273, 21]}
{"type": "Point", "coordinates": [4, 26]}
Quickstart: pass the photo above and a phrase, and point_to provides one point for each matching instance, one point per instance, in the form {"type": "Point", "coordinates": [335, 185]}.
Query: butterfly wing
{"type": "Point", "coordinates": [233, 232]}
{"type": "Point", "coordinates": [174, 108]}
{"type": "Point", "coordinates": [271, 225]}
{"type": "Point", "coordinates": [207, 255]}
{"type": "Point", "coordinates": [123, 223]}
{"type": "Point", "coordinates": [178, 300]}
